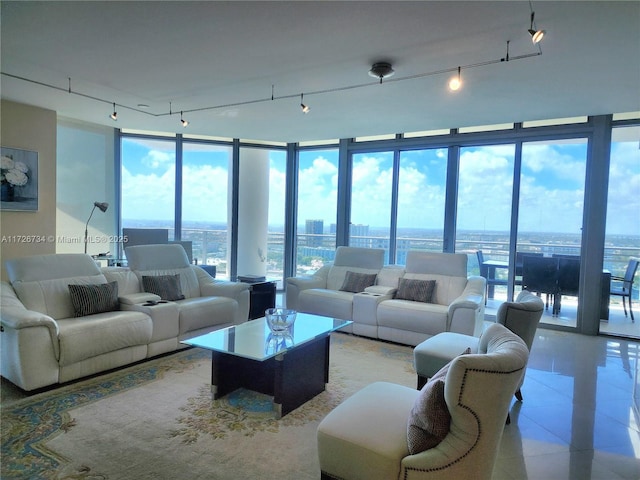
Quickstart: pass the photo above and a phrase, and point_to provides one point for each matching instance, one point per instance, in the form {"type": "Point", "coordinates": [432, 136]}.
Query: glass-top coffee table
{"type": "Point", "coordinates": [293, 368]}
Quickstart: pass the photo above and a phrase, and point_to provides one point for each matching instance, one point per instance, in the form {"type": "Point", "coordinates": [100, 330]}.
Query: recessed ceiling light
{"type": "Point", "coordinates": [143, 105]}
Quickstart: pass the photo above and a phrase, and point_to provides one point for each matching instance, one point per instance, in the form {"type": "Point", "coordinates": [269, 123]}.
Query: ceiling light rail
{"type": "Point", "coordinates": [282, 97]}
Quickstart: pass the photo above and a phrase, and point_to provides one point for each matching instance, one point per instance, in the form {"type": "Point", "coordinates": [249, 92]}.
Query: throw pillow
{"type": "Point", "coordinates": [166, 287]}
{"type": "Point", "coordinates": [416, 290]}
{"type": "Point", "coordinates": [356, 282]}
{"type": "Point", "coordinates": [429, 420]}
{"type": "Point", "coordinates": [96, 298]}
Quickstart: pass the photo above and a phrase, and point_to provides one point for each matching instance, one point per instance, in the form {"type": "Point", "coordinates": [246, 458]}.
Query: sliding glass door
{"type": "Point", "coordinates": [483, 227]}
{"type": "Point", "coordinates": [550, 218]}
{"type": "Point", "coordinates": [622, 238]}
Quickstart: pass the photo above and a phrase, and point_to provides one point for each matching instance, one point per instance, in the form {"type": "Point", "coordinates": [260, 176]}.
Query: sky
{"type": "Point", "coordinates": [551, 195]}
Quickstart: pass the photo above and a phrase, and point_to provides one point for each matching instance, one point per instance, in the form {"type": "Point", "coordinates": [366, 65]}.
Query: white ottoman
{"type": "Point", "coordinates": [435, 352]}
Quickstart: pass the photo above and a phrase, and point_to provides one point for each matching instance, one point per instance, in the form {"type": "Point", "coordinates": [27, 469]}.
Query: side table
{"type": "Point", "coordinates": [262, 295]}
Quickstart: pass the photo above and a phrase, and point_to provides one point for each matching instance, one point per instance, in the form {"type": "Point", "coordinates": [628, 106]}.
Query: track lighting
{"type": "Point", "coordinates": [536, 35]}
{"type": "Point", "coordinates": [305, 108]}
{"type": "Point", "coordinates": [114, 115]}
{"type": "Point", "coordinates": [183, 121]}
{"type": "Point", "coordinates": [381, 70]}
{"type": "Point", "coordinates": [456, 82]}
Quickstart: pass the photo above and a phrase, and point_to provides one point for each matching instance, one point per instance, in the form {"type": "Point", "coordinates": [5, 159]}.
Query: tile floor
{"type": "Point", "coordinates": [580, 418]}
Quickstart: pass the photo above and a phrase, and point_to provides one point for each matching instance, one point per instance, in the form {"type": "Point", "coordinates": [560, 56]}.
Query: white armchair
{"type": "Point", "coordinates": [366, 437]}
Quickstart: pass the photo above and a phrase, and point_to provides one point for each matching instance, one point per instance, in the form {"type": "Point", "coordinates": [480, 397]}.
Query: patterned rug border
{"type": "Point", "coordinates": [28, 424]}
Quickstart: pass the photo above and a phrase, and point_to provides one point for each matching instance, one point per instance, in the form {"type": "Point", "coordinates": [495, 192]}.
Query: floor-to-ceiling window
{"type": "Point", "coordinates": [148, 183]}
{"type": "Point", "coordinates": [371, 191]}
{"type": "Point", "coordinates": [534, 187]}
{"type": "Point", "coordinates": [421, 201]}
{"type": "Point", "coordinates": [622, 236]}
{"type": "Point", "coordinates": [275, 253]}
{"type": "Point", "coordinates": [205, 194]}
{"type": "Point", "coordinates": [550, 221]}
{"type": "Point", "coordinates": [317, 208]}
{"type": "Point", "coordinates": [483, 224]}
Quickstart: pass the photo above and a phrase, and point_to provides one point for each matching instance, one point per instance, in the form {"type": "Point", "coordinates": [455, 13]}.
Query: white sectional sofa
{"type": "Point", "coordinates": [456, 302]}
{"type": "Point", "coordinates": [43, 342]}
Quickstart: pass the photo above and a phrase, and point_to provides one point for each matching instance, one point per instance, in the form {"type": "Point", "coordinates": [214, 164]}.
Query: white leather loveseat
{"type": "Point", "coordinates": [44, 342]}
{"type": "Point", "coordinates": [456, 302]}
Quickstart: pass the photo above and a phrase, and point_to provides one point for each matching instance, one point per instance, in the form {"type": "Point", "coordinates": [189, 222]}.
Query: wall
{"type": "Point", "coordinates": [30, 128]}
{"type": "Point", "coordinates": [86, 174]}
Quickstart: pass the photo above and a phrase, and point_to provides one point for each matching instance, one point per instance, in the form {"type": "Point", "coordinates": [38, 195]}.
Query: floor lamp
{"type": "Point", "coordinates": [102, 206]}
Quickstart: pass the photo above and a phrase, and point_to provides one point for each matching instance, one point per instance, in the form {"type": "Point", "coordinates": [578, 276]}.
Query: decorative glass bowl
{"type": "Point", "coordinates": [280, 320]}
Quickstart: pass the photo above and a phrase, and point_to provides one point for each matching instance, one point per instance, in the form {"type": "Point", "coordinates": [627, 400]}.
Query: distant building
{"type": "Point", "coordinates": [314, 229]}
{"type": "Point", "coordinates": [359, 236]}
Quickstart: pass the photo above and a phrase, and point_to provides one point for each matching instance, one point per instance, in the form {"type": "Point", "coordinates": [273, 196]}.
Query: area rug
{"type": "Point", "coordinates": [156, 420]}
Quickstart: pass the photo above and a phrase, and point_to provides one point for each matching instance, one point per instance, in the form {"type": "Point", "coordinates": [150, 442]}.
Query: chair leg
{"type": "Point", "coordinates": [624, 305]}
{"type": "Point", "coordinates": [519, 395]}
{"type": "Point", "coordinates": [631, 311]}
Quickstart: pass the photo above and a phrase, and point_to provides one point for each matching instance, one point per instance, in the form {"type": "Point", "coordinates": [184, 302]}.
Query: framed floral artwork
{"type": "Point", "coordinates": [19, 180]}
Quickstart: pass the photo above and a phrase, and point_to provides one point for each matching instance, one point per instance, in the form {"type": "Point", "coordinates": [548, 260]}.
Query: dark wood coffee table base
{"type": "Point", "coordinates": [292, 378]}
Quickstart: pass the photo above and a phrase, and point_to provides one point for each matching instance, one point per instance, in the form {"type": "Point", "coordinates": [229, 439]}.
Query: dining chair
{"type": "Point", "coordinates": [540, 275]}
{"type": "Point", "coordinates": [624, 285]}
{"type": "Point", "coordinates": [489, 273]}
{"type": "Point", "coordinates": [568, 277]}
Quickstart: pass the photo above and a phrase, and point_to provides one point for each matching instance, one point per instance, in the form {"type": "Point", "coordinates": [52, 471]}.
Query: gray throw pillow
{"type": "Point", "coordinates": [416, 290]}
{"type": "Point", "coordinates": [356, 282]}
{"type": "Point", "coordinates": [166, 287]}
{"type": "Point", "coordinates": [94, 298]}
{"type": "Point", "coordinates": [429, 420]}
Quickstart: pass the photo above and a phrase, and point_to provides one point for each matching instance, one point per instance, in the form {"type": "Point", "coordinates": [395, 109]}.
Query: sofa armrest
{"type": "Point", "coordinates": [238, 291]}
{"type": "Point", "coordinates": [14, 314]}
{"type": "Point", "coordinates": [381, 290]}
{"type": "Point", "coordinates": [295, 285]}
{"type": "Point", "coordinates": [142, 297]}
{"type": "Point", "coordinates": [466, 313]}
{"type": "Point", "coordinates": [29, 349]}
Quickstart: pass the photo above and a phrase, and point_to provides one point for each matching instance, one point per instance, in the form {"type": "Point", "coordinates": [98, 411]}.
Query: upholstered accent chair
{"type": "Point", "coordinates": [366, 437]}
{"type": "Point", "coordinates": [521, 316]}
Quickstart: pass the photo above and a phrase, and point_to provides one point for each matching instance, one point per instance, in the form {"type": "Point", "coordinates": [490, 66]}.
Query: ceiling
{"type": "Point", "coordinates": [190, 56]}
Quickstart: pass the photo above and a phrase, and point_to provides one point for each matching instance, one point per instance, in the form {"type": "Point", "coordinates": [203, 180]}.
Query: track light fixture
{"type": "Point", "coordinates": [114, 115]}
{"type": "Point", "coordinates": [305, 108]}
{"type": "Point", "coordinates": [536, 35]}
{"type": "Point", "coordinates": [381, 70]}
{"type": "Point", "coordinates": [456, 82]}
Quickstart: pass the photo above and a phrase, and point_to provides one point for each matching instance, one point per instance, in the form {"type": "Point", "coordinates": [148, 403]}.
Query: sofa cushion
{"type": "Point", "coordinates": [51, 296]}
{"type": "Point", "coordinates": [101, 333]}
{"type": "Point", "coordinates": [422, 318]}
{"type": "Point", "coordinates": [328, 303]}
{"type": "Point", "coordinates": [204, 312]}
{"type": "Point", "coordinates": [166, 286]}
{"type": "Point", "coordinates": [91, 299]}
{"type": "Point", "coordinates": [429, 419]}
{"type": "Point", "coordinates": [416, 290]}
{"type": "Point", "coordinates": [356, 282]}
{"type": "Point", "coordinates": [446, 289]}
